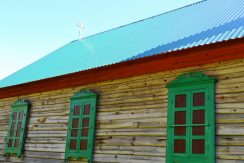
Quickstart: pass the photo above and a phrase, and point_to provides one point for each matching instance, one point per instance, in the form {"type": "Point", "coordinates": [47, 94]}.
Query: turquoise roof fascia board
{"type": "Point", "coordinates": [198, 24]}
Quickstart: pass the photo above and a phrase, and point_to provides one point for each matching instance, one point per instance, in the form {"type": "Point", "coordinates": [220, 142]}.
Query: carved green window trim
{"type": "Point", "coordinates": [16, 131]}
{"type": "Point", "coordinates": [81, 126]}
{"type": "Point", "coordinates": [181, 130]}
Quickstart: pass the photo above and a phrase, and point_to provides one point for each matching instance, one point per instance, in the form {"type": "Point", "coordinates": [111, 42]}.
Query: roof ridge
{"type": "Point", "coordinates": [192, 4]}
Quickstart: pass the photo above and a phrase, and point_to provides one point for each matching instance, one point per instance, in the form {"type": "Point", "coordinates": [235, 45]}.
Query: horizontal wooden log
{"type": "Point", "coordinates": [127, 158]}
{"type": "Point", "coordinates": [131, 141]}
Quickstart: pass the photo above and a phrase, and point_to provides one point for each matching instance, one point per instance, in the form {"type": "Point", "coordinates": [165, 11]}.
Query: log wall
{"type": "Point", "coordinates": [131, 118]}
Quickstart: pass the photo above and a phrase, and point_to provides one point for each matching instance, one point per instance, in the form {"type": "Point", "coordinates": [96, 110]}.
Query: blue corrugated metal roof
{"type": "Point", "coordinates": [202, 23]}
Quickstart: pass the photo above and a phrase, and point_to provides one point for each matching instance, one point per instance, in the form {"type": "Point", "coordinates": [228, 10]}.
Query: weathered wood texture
{"type": "Point", "coordinates": [131, 118]}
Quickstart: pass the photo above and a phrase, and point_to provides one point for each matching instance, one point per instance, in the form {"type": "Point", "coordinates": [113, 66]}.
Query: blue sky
{"type": "Point", "coordinates": [31, 29]}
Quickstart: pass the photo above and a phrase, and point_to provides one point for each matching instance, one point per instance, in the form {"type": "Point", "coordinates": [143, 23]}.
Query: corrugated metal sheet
{"type": "Point", "coordinates": [202, 23]}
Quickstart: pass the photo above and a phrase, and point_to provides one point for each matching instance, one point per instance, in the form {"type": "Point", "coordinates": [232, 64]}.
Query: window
{"type": "Point", "coordinates": [81, 126]}
{"type": "Point", "coordinates": [191, 122]}
{"type": "Point", "coordinates": [16, 131]}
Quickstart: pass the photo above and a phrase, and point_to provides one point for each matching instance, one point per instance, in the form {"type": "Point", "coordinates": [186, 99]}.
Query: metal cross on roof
{"type": "Point", "coordinates": [81, 25]}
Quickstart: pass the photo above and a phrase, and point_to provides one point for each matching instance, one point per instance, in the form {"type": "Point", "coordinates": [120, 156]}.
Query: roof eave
{"type": "Point", "coordinates": [221, 51]}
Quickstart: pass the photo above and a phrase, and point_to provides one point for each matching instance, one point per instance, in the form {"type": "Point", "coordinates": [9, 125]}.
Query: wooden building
{"type": "Point", "coordinates": [169, 88]}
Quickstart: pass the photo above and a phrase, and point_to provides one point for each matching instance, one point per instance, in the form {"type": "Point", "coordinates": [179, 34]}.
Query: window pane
{"type": "Point", "coordinates": [180, 130]}
{"type": "Point", "coordinates": [73, 144]}
{"type": "Point", "coordinates": [18, 129]}
{"type": "Point", "coordinates": [76, 110]}
{"type": "Point", "coordinates": [198, 146]}
{"type": "Point", "coordinates": [180, 117]}
{"type": "Point", "coordinates": [74, 132]}
{"type": "Point", "coordinates": [12, 129]}
{"type": "Point", "coordinates": [15, 115]}
{"type": "Point", "coordinates": [87, 109]}
{"type": "Point", "coordinates": [10, 142]}
{"type": "Point", "coordinates": [75, 123]}
{"type": "Point", "coordinates": [198, 130]}
{"type": "Point", "coordinates": [180, 101]}
{"type": "Point", "coordinates": [199, 99]}
{"type": "Point", "coordinates": [18, 133]}
{"type": "Point", "coordinates": [84, 132]}
{"type": "Point", "coordinates": [16, 143]}
{"type": "Point", "coordinates": [198, 116]}
{"type": "Point", "coordinates": [83, 145]}
{"type": "Point", "coordinates": [85, 122]}
{"type": "Point", "coordinates": [21, 116]}
{"type": "Point", "coordinates": [180, 146]}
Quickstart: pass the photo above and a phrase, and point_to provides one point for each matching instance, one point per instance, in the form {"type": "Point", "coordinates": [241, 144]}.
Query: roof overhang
{"type": "Point", "coordinates": [222, 51]}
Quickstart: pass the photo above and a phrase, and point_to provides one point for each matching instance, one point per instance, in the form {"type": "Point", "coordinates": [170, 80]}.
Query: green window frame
{"type": "Point", "coordinates": [15, 139]}
{"type": "Point", "coordinates": [81, 126]}
{"type": "Point", "coordinates": [191, 119]}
